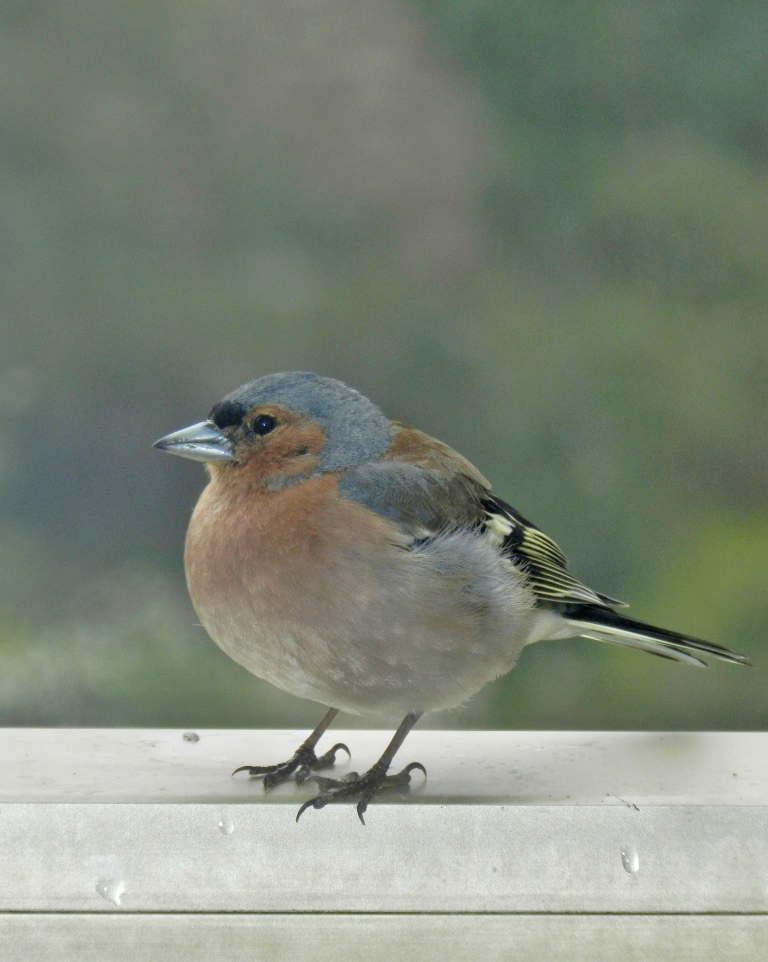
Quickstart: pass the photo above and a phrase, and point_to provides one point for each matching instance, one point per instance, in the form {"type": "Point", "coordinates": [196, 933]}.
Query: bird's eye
{"type": "Point", "coordinates": [263, 424]}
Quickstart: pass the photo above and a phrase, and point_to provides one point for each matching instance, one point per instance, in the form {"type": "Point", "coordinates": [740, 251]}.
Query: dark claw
{"type": "Point", "coordinates": [253, 769]}
{"type": "Point", "coordinates": [301, 764]}
{"type": "Point", "coordinates": [405, 774]}
{"type": "Point", "coordinates": [318, 802]}
{"type": "Point", "coordinates": [328, 760]}
{"type": "Point", "coordinates": [364, 787]}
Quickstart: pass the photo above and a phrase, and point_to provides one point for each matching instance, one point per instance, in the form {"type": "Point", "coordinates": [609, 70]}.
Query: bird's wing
{"type": "Point", "coordinates": [427, 488]}
{"type": "Point", "coordinates": [537, 554]}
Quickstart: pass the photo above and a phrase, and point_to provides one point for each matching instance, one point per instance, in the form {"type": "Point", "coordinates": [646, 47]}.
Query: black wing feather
{"type": "Point", "coordinates": [530, 549]}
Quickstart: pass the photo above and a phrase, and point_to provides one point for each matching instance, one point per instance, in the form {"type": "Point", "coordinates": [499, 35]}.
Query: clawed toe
{"type": "Point", "coordinates": [301, 764]}
{"type": "Point", "coordinates": [328, 760]}
{"type": "Point", "coordinates": [404, 777]}
{"type": "Point", "coordinates": [252, 770]}
{"type": "Point", "coordinates": [325, 783]}
{"type": "Point", "coordinates": [353, 785]}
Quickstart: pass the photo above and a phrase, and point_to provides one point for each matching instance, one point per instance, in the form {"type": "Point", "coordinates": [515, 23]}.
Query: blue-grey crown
{"type": "Point", "coordinates": [356, 429]}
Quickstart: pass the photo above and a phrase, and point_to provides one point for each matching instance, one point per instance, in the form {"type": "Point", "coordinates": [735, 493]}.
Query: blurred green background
{"type": "Point", "coordinates": [537, 231]}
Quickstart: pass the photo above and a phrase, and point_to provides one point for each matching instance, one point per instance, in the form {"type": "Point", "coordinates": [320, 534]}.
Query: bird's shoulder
{"type": "Point", "coordinates": [416, 448]}
{"type": "Point", "coordinates": [420, 483]}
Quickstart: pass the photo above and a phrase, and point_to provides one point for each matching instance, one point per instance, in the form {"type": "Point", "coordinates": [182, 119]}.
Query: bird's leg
{"type": "Point", "coordinates": [365, 786]}
{"type": "Point", "coordinates": [302, 762]}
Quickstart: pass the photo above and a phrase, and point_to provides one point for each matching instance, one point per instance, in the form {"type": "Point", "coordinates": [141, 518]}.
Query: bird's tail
{"type": "Point", "coordinates": [604, 624]}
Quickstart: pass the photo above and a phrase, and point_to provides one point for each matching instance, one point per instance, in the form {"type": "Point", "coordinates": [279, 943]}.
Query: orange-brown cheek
{"type": "Point", "coordinates": [292, 451]}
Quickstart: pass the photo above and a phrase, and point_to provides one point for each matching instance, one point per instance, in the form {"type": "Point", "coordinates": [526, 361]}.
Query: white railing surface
{"type": "Point", "coordinates": [134, 844]}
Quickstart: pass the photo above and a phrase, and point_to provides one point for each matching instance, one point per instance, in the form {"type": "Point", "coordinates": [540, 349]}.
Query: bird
{"type": "Point", "coordinates": [355, 561]}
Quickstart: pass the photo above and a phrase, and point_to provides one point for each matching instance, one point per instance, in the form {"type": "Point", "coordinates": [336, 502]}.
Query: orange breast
{"type": "Point", "coordinates": [276, 556]}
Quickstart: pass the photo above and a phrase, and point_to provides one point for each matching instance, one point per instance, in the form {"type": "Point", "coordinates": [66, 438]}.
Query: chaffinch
{"type": "Point", "coordinates": [360, 563]}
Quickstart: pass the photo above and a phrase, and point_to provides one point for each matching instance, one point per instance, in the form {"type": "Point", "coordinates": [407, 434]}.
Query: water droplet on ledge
{"type": "Point", "coordinates": [226, 825]}
{"type": "Point", "coordinates": [630, 859]}
{"type": "Point", "coordinates": [111, 889]}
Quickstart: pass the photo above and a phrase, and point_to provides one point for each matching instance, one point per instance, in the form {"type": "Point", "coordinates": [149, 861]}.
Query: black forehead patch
{"type": "Point", "coordinates": [225, 414]}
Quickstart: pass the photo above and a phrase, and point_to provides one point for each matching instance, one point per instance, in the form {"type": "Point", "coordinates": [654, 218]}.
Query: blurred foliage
{"type": "Point", "coordinates": [538, 232]}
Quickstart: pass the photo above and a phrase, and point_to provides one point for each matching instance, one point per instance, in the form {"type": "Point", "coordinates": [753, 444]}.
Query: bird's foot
{"type": "Point", "coordinates": [301, 764]}
{"type": "Point", "coordinates": [353, 785]}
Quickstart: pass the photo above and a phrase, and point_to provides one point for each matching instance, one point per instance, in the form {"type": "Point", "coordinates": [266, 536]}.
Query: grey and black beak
{"type": "Point", "coordinates": [199, 442]}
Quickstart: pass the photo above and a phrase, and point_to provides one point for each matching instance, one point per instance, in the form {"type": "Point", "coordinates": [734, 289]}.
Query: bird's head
{"type": "Point", "coordinates": [283, 428]}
